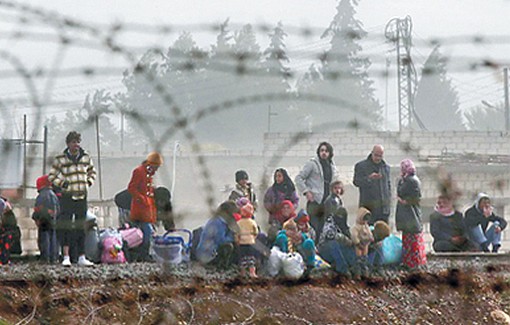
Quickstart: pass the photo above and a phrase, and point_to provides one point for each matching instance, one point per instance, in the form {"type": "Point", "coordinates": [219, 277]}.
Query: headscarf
{"type": "Point", "coordinates": [407, 168]}
{"type": "Point", "coordinates": [286, 187]}
{"type": "Point", "coordinates": [447, 210]}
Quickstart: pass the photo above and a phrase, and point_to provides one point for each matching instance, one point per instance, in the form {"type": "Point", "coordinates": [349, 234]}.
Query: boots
{"type": "Point", "coordinates": [495, 248]}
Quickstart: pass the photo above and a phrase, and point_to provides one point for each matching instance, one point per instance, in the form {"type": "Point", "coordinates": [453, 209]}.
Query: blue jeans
{"type": "Point", "coordinates": [47, 242]}
{"type": "Point", "coordinates": [339, 256]}
{"type": "Point", "coordinates": [143, 250]}
{"type": "Point", "coordinates": [490, 236]}
{"type": "Point", "coordinates": [376, 255]}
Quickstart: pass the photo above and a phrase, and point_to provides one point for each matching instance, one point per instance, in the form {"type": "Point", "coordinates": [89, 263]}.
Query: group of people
{"type": "Point", "coordinates": [322, 228]}
{"type": "Point", "coordinates": [319, 232]}
{"type": "Point", "coordinates": [61, 206]}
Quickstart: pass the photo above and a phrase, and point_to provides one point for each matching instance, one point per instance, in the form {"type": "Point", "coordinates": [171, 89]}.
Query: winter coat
{"type": "Point", "coordinates": [360, 233]}
{"type": "Point", "coordinates": [216, 233]}
{"type": "Point", "coordinates": [332, 203]}
{"type": "Point", "coordinates": [408, 216]}
{"type": "Point", "coordinates": [247, 192]}
{"type": "Point", "coordinates": [143, 206]}
{"type": "Point", "coordinates": [46, 209]}
{"type": "Point", "coordinates": [248, 231]}
{"type": "Point", "coordinates": [273, 201]}
{"type": "Point", "coordinates": [311, 179]}
{"type": "Point", "coordinates": [335, 228]}
{"type": "Point", "coordinates": [474, 216]}
{"type": "Point", "coordinates": [74, 174]}
{"type": "Point", "coordinates": [374, 194]}
{"type": "Point", "coordinates": [445, 227]}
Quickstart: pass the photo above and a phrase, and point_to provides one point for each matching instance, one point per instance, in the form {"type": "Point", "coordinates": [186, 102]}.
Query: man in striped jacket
{"type": "Point", "coordinates": [74, 172]}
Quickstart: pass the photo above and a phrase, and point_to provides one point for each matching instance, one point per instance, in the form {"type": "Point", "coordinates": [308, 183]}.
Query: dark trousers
{"type": "Point", "coordinates": [316, 213]}
{"type": "Point", "coordinates": [70, 224]}
{"type": "Point", "coordinates": [47, 242]}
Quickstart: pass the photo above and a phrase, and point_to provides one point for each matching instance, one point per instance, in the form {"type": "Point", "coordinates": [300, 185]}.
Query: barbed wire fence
{"type": "Point", "coordinates": [67, 33]}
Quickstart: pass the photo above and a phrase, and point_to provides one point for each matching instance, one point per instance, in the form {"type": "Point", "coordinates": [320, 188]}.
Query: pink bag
{"type": "Point", "coordinates": [112, 251]}
{"type": "Point", "coordinates": [132, 236]}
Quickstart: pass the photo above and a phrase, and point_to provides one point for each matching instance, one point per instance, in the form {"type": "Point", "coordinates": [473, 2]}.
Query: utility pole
{"type": "Point", "coordinates": [122, 131]}
{"type": "Point", "coordinates": [99, 159]}
{"type": "Point", "coordinates": [507, 104]}
{"type": "Point", "coordinates": [398, 31]}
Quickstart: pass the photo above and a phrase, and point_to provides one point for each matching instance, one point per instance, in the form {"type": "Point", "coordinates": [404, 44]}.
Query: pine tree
{"type": "Point", "coordinates": [348, 93]}
{"type": "Point", "coordinates": [436, 99]}
{"type": "Point", "coordinates": [483, 118]}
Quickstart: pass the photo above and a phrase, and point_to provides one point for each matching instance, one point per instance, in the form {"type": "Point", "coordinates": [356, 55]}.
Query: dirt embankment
{"type": "Point", "coordinates": [147, 294]}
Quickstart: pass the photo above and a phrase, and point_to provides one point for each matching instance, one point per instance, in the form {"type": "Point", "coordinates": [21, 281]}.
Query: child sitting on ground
{"type": "Point", "coordinates": [45, 216]}
{"type": "Point", "coordinates": [303, 223]}
{"type": "Point", "coordinates": [247, 236]}
{"type": "Point", "coordinates": [360, 233]}
{"type": "Point", "coordinates": [290, 240]}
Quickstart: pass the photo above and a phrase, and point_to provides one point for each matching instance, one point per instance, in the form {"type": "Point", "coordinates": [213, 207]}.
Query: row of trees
{"type": "Point", "coordinates": [227, 96]}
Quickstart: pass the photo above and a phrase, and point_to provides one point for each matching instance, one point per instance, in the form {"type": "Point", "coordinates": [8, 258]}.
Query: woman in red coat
{"type": "Point", "coordinates": [143, 206]}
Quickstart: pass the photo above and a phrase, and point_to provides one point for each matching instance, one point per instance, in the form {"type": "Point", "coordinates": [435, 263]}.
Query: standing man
{"type": "Point", "coordinates": [74, 172]}
{"type": "Point", "coordinates": [314, 181]}
{"type": "Point", "coordinates": [372, 177]}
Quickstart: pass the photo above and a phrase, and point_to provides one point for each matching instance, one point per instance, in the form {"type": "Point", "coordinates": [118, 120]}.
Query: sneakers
{"type": "Point", "coordinates": [66, 261]}
{"type": "Point", "coordinates": [83, 261]}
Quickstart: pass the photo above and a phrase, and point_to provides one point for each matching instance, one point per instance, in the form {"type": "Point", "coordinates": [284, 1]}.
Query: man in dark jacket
{"type": "Point", "coordinates": [477, 220]}
{"type": "Point", "coordinates": [372, 177]}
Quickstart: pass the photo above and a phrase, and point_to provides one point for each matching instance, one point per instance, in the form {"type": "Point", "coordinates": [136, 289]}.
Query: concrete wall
{"type": "Point", "coordinates": [283, 150]}
{"type": "Point", "coordinates": [477, 161]}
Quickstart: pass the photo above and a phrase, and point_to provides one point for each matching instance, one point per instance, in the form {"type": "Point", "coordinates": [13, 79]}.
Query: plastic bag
{"type": "Point", "coordinates": [274, 263]}
{"type": "Point", "coordinates": [392, 250]}
{"type": "Point", "coordinates": [293, 265]}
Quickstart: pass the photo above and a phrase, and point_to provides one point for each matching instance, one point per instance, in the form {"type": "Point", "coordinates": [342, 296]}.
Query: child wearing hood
{"type": "Point", "coordinates": [361, 234]}
{"type": "Point", "coordinates": [45, 214]}
{"type": "Point", "coordinates": [477, 220]}
{"type": "Point", "coordinates": [246, 239]}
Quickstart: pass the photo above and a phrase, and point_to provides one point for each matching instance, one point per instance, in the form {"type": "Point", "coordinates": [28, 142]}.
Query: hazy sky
{"type": "Point", "coordinates": [431, 18]}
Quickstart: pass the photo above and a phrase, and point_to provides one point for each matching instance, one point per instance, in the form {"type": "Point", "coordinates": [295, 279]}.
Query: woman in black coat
{"type": "Point", "coordinates": [408, 216]}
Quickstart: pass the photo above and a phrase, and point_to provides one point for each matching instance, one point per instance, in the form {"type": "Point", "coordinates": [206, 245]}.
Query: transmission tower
{"type": "Point", "coordinates": [398, 31]}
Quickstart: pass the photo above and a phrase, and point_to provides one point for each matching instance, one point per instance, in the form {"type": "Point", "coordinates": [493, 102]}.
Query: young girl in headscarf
{"type": "Point", "coordinates": [276, 224]}
{"type": "Point", "coordinates": [408, 216]}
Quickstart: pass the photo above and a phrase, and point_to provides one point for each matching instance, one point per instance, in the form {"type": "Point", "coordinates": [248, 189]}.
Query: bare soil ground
{"type": "Point", "coordinates": [447, 293]}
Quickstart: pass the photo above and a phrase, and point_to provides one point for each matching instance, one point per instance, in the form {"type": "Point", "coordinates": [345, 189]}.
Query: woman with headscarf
{"type": "Point", "coordinates": [408, 216]}
{"type": "Point", "coordinates": [335, 244]}
{"type": "Point", "coordinates": [282, 189]}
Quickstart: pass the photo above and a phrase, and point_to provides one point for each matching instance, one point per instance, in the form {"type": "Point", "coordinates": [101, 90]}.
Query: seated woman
{"type": "Point", "coordinates": [477, 220]}
{"type": "Point", "coordinates": [335, 244]}
{"type": "Point", "coordinates": [276, 222]}
{"type": "Point", "coordinates": [448, 229]}
{"type": "Point", "coordinates": [290, 239]}
{"type": "Point", "coordinates": [216, 245]}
